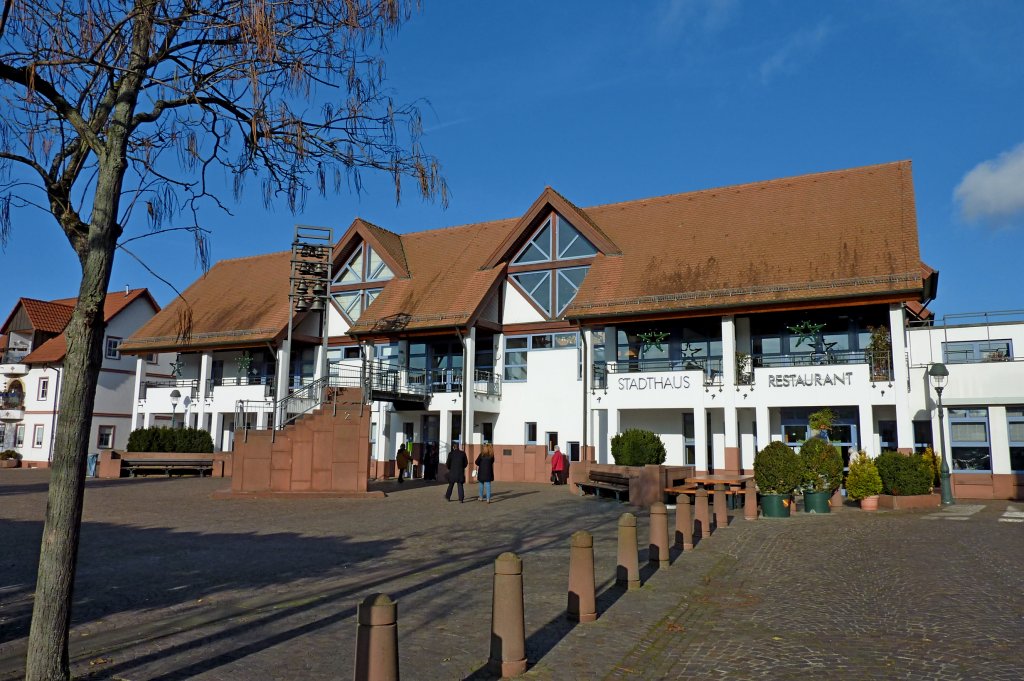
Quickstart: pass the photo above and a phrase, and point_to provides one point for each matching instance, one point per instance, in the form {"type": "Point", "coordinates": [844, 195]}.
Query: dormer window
{"type": "Point", "coordinates": [556, 229]}
{"type": "Point", "coordinates": [360, 279]}
{"type": "Point", "coordinates": [551, 289]}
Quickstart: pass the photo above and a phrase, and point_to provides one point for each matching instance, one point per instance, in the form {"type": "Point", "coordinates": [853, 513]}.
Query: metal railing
{"type": "Point", "coordinates": [711, 367]}
{"type": "Point", "coordinates": [12, 401]}
{"type": "Point", "coordinates": [13, 356]}
{"type": "Point", "coordinates": [192, 384]}
{"type": "Point", "coordinates": [486, 383]}
{"type": "Point", "coordinates": [880, 363]}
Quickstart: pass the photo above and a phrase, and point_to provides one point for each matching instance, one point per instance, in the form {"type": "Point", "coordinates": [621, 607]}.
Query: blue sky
{"type": "Point", "coordinates": [615, 101]}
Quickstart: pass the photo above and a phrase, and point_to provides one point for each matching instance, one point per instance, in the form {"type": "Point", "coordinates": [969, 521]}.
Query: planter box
{"type": "Point", "coordinates": [8, 463]}
{"type": "Point", "coordinates": [909, 503]}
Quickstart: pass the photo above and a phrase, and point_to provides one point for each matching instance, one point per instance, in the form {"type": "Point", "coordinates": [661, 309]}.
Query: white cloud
{"type": "Point", "coordinates": [796, 50]}
{"type": "Point", "coordinates": [711, 16]}
{"type": "Point", "coordinates": [993, 191]}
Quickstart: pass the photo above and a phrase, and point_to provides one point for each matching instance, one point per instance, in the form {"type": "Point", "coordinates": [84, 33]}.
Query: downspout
{"type": "Point", "coordinates": [584, 370]}
{"type": "Point", "coordinates": [53, 417]}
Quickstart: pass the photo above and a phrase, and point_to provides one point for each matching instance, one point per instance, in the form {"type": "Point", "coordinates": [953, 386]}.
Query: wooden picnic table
{"type": "Point", "coordinates": [721, 483]}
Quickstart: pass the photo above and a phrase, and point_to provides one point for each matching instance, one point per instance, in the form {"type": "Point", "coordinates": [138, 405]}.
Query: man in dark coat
{"type": "Point", "coordinates": [457, 462]}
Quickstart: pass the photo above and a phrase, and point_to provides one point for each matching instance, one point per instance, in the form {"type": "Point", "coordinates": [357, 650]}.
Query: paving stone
{"type": "Point", "coordinates": [174, 585]}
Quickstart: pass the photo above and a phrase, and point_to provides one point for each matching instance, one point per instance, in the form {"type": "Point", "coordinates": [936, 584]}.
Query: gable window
{"type": "Point", "coordinates": [551, 289]}
{"type": "Point", "coordinates": [354, 303]}
{"type": "Point", "coordinates": [364, 265]}
{"type": "Point", "coordinates": [44, 389]}
{"type": "Point", "coordinates": [112, 348]}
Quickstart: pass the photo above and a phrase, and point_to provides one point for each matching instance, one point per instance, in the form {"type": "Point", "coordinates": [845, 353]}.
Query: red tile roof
{"type": "Point", "coordinates": [841, 234]}
{"type": "Point", "coordinates": [238, 302]}
{"type": "Point", "coordinates": [55, 348]}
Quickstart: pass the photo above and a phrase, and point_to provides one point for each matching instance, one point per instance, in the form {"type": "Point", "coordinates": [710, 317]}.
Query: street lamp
{"type": "Point", "coordinates": [175, 396]}
{"type": "Point", "coordinates": [938, 374]}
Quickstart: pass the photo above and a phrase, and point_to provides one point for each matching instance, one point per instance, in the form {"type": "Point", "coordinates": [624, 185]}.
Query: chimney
{"type": "Point", "coordinates": [127, 289]}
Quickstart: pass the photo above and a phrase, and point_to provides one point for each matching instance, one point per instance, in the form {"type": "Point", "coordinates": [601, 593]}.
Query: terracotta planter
{"type": "Point", "coordinates": [869, 503]}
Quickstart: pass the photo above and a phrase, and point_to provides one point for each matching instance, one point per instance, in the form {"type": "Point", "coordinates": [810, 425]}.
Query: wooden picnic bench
{"type": "Point", "coordinates": [135, 465]}
{"type": "Point", "coordinates": [616, 483]}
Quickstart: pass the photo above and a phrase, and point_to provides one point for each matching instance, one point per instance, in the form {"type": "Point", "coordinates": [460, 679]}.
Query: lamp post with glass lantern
{"type": "Point", "coordinates": [938, 375]}
{"type": "Point", "coordinates": [175, 396]}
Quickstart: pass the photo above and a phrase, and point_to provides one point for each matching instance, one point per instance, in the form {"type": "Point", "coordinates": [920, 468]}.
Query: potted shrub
{"type": "Point", "coordinates": [777, 473]}
{"type": "Point", "coordinates": [822, 466]}
{"type": "Point", "coordinates": [879, 351]}
{"type": "Point", "coordinates": [863, 483]}
{"type": "Point", "coordinates": [9, 458]}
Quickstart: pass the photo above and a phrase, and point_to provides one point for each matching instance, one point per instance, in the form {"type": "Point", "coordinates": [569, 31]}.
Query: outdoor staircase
{"type": "Point", "coordinates": [323, 451]}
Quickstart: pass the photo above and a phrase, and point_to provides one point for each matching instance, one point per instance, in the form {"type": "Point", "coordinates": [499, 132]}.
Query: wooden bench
{"type": "Point", "coordinates": [616, 483]}
{"type": "Point", "coordinates": [135, 465]}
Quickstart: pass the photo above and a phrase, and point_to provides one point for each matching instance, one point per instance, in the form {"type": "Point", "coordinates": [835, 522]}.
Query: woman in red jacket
{"type": "Point", "coordinates": [559, 467]}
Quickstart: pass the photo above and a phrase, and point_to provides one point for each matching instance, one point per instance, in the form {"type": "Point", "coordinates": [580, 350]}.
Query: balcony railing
{"type": "Point", "coordinates": [13, 356]}
{"type": "Point", "coordinates": [189, 384]}
{"type": "Point", "coordinates": [12, 401]}
{"type": "Point", "coordinates": [880, 365]}
{"type": "Point", "coordinates": [486, 383]}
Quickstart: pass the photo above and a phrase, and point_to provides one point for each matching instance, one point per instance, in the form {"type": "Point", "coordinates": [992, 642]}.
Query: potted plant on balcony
{"type": "Point", "coordinates": [777, 473]}
{"type": "Point", "coordinates": [821, 422]}
{"type": "Point", "coordinates": [822, 473]}
{"type": "Point", "coordinates": [879, 352]}
{"type": "Point", "coordinates": [9, 458]}
{"type": "Point", "coordinates": [863, 483]}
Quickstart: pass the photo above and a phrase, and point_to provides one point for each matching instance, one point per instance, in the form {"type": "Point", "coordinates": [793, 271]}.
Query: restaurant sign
{"type": "Point", "coordinates": [810, 379]}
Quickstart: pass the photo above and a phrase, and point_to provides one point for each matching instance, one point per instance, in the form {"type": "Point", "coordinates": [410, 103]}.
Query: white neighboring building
{"type": "Point", "coordinates": [32, 366]}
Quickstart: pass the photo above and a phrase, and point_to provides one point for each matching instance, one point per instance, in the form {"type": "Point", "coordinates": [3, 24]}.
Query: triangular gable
{"type": "Point", "coordinates": [387, 245]}
{"type": "Point", "coordinates": [550, 200]}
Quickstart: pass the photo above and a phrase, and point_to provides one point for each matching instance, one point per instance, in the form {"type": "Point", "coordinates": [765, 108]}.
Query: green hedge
{"type": "Point", "coordinates": [635, 447]}
{"type": "Point", "coordinates": [904, 474]}
{"type": "Point", "coordinates": [777, 469]}
{"type": "Point", "coordinates": [184, 440]}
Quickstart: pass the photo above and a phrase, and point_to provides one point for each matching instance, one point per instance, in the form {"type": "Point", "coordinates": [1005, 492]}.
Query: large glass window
{"type": "Point", "coordinates": [966, 352]}
{"type": "Point", "coordinates": [969, 439]}
{"type": "Point", "coordinates": [1015, 429]}
{"type": "Point", "coordinates": [537, 285]}
{"type": "Point", "coordinates": [922, 436]}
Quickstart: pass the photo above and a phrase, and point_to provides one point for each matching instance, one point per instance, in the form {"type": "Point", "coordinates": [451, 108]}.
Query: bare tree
{"type": "Point", "coordinates": [124, 112]}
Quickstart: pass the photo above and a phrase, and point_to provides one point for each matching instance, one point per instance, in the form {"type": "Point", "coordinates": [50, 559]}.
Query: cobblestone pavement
{"type": "Point", "coordinates": [175, 585]}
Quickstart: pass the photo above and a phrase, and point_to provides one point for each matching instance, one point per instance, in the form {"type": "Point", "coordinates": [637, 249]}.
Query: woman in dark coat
{"type": "Point", "coordinates": [485, 473]}
{"type": "Point", "coordinates": [456, 463]}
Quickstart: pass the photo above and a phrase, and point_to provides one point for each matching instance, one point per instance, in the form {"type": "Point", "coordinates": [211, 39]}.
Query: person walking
{"type": "Point", "coordinates": [485, 473]}
{"type": "Point", "coordinates": [457, 462]}
{"type": "Point", "coordinates": [559, 467]}
{"type": "Point", "coordinates": [402, 462]}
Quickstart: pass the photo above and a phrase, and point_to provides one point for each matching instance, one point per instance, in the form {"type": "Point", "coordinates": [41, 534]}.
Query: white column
{"type": "Point", "coordinates": [700, 437]}
{"type": "Point", "coordinates": [729, 364]}
{"type": "Point", "coordinates": [218, 431]}
{"type": "Point", "coordinates": [867, 429]}
{"type": "Point", "coordinates": [901, 379]}
{"type": "Point", "coordinates": [444, 434]}
{"type": "Point", "coordinates": [764, 426]}
{"type": "Point", "coordinates": [320, 366]}
{"type": "Point", "coordinates": [205, 362]}
{"type": "Point", "coordinates": [999, 440]}
{"type": "Point", "coordinates": [140, 376]}
{"type": "Point", "coordinates": [468, 374]}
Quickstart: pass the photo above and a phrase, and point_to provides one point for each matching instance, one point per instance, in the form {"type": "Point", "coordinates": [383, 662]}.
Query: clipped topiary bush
{"type": "Point", "coordinates": [863, 480]}
{"type": "Point", "coordinates": [822, 465]}
{"type": "Point", "coordinates": [636, 447]}
{"type": "Point", "coordinates": [777, 469]}
{"type": "Point", "coordinates": [903, 474]}
{"type": "Point", "coordinates": [161, 439]}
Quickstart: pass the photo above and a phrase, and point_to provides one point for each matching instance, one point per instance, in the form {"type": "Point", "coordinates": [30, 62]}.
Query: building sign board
{"type": "Point", "coordinates": [650, 383]}
{"type": "Point", "coordinates": [810, 379]}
